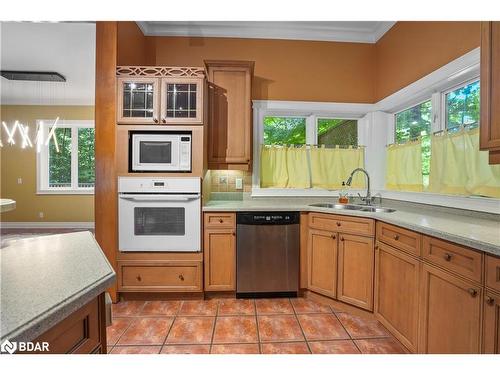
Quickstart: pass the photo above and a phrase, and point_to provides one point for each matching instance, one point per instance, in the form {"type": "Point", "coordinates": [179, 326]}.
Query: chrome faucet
{"type": "Point", "coordinates": [368, 199]}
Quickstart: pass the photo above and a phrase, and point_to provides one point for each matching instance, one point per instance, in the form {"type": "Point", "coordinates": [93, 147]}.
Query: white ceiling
{"type": "Point", "coordinates": [339, 31]}
{"type": "Point", "coordinates": [66, 48]}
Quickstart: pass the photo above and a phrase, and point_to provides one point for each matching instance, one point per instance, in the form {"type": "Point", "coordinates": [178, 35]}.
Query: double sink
{"type": "Point", "coordinates": [353, 207]}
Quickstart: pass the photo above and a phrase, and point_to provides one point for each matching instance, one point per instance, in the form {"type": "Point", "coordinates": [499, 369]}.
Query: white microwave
{"type": "Point", "coordinates": [155, 151]}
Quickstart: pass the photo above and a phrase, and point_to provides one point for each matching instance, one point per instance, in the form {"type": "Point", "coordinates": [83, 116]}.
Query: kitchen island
{"type": "Point", "coordinates": [52, 291]}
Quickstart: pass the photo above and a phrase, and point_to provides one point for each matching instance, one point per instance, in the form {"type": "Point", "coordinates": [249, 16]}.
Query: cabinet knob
{"type": "Point", "coordinates": [396, 237]}
{"type": "Point", "coordinates": [233, 233]}
{"type": "Point", "coordinates": [333, 236]}
{"type": "Point", "coordinates": [376, 247]}
{"type": "Point", "coordinates": [338, 223]}
{"type": "Point", "coordinates": [447, 257]}
{"type": "Point", "coordinates": [163, 121]}
{"type": "Point", "coordinates": [490, 300]}
{"type": "Point", "coordinates": [221, 221]}
{"type": "Point", "coordinates": [342, 238]}
{"type": "Point", "coordinates": [139, 278]}
{"type": "Point", "coordinates": [155, 120]}
{"type": "Point", "coordinates": [472, 292]}
{"type": "Point", "coordinates": [181, 277]}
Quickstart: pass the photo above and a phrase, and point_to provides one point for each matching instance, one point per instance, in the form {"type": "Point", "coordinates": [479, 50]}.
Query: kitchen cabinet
{"type": "Point", "coordinates": [400, 238]}
{"type": "Point", "coordinates": [491, 323]}
{"type": "Point", "coordinates": [82, 332]}
{"type": "Point", "coordinates": [492, 273]}
{"type": "Point", "coordinates": [322, 262]}
{"type": "Point", "coordinates": [160, 95]}
{"type": "Point", "coordinates": [229, 123]}
{"type": "Point", "coordinates": [355, 270]}
{"type": "Point", "coordinates": [450, 313]}
{"type": "Point", "coordinates": [220, 259]}
{"type": "Point", "coordinates": [397, 279]}
{"type": "Point", "coordinates": [490, 90]}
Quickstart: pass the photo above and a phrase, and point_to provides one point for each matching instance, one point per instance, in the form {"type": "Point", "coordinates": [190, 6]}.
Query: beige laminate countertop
{"type": "Point", "coordinates": [462, 227]}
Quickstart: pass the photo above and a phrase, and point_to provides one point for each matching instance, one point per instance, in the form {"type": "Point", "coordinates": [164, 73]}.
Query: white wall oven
{"type": "Point", "coordinates": [159, 214]}
{"type": "Point", "coordinates": [160, 151]}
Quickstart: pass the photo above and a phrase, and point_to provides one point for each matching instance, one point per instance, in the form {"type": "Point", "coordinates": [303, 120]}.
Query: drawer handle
{"type": "Point", "coordinates": [221, 221]}
{"type": "Point", "coordinates": [333, 236]}
{"type": "Point", "coordinates": [139, 278]}
{"type": "Point", "coordinates": [338, 223]}
{"type": "Point", "coordinates": [396, 237]}
{"type": "Point", "coordinates": [490, 301]}
{"type": "Point", "coordinates": [181, 277]}
{"type": "Point", "coordinates": [447, 257]}
{"type": "Point", "coordinates": [472, 292]}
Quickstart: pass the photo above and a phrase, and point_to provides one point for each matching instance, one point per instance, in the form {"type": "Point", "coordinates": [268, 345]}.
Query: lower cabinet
{"type": "Point", "coordinates": [450, 313]}
{"type": "Point", "coordinates": [397, 278]}
{"type": "Point", "coordinates": [220, 259]}
{"type": "Point", "coordinates": [491, 323]}
{"type": "Point", "coordinates": [355, 270]}
{"type": "Point", "coordinates": [322, 262]}
{"type": "Point", "coordinates": [82, 332]}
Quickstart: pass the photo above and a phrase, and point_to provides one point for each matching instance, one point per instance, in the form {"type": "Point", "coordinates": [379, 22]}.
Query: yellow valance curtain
{"type": "Point", "coordinates": [459, 167]}
{"type": "Point", "coordinates": [404, 167]}
{"type": "Point", "coordinates": [284, 167]}
{"type": "Point", "coordinates": [331, 166]}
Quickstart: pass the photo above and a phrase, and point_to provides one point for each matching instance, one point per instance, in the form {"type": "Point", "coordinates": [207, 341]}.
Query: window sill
{"type": "Point", "coordinates": [65, 192]}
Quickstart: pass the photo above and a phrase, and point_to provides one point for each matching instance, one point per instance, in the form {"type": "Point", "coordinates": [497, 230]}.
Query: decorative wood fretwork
{"type": "Point", "coordinates": [159, 71]}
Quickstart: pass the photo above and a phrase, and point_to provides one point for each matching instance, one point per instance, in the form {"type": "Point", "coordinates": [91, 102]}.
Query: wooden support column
{"type": "Point", "coordinates": [106, 210]}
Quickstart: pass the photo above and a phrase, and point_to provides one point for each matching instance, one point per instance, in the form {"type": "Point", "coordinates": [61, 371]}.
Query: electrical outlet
{"type": "Point", "coordinates": [19, 181]}
{"type": "Point", "coordinates": [239, 183]}
{"type": "Point", "coordinates": [40, 214]}
{"type": "Point", "coordinates": [222, 180]}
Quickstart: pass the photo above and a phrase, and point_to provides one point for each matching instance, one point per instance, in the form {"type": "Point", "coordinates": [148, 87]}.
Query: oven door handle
{"type": "Point", "coordinates": [158, 198]}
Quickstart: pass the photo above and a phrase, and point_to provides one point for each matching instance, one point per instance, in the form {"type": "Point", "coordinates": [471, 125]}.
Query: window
{"type": "Point", "coordinates": [412, 123]}
{"type": "Point", "coordinates": [284, 130]}
{"type": "Point", "coordinates": [462, 107]}
{"type": "Point", "coordinates": [337, 132]}
{"type": "Point", "coordinates": [67, 163]}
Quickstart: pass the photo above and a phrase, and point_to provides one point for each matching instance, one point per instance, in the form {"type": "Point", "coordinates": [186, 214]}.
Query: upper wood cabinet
{"type": "Point", "coordinates": [230, 117]}
{"type": "Point", "coordinates": [397, 278]}
{"type": "Point", "coordinates": [355, 270]}
{"type": "Point", "coordinates": [322, 262]}
{"type": "Point", "coordinates": [160, 95]}
{"type": "Point", "coordinates": [490, 90]}
{"type": "Point", "coordinates": [450, 313]}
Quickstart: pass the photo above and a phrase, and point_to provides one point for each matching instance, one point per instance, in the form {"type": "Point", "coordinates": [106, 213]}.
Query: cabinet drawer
{"type": "Point", "coordinates": [220, 220]}
{"type": "Point", "coordinates": [161, 277]}
{"type": "Point", "coordinates": [342, 224]}
{"type": "Point", "coordinates": [493, 272]}
{"type": "Point", "coordinates": [400, 238]}
{"type": "Point", "coordinates": [456, 258]}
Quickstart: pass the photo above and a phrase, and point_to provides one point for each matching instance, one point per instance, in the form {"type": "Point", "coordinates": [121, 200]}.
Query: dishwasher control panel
{"type": "Point", "coordinates": [268, 218]}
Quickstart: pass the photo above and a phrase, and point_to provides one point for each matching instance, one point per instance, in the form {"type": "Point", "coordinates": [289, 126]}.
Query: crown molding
{"type": "Point", "coordinates": [303, 30]}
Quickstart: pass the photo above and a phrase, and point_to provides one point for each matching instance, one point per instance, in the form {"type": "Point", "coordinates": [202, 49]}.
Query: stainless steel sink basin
{"type": "Point", "coordinates": [354, 207]}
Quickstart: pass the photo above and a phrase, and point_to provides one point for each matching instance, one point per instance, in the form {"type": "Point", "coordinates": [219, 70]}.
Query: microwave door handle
{"type": "Point", "coordinates": [159, 198]}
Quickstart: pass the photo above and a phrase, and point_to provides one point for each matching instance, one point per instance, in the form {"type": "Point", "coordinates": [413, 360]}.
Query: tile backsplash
{"type": "Point", "coordinates": [225, 181]}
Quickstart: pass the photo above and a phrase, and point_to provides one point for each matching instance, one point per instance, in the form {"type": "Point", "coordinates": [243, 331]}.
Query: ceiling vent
{"type": "Point", "coordinates": [18, 75]}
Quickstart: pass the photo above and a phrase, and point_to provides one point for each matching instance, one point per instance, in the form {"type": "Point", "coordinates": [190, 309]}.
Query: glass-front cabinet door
{"type": "Point", "coordinates": [181, 100]}
{"type": "Point", "coordinates": [138, 100]}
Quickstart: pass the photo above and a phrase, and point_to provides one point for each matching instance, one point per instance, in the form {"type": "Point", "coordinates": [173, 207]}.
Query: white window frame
{"type": "Point", "coordinates": [311, 111]}
{"type": "Point", "coordinates": [442, 109]}
{"type": "Point", "coordinates": [42, 159]}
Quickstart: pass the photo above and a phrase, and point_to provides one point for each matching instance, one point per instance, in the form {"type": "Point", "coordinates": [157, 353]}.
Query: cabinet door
{"type": "Point", "coordinates": [490, 87]}
{"type": "Point", "coordinates": [355, 270]}
{"type": "Point", "coordinates": [322, 262]}
{"type": "Point", "coordinates": [181, 100]}
{"type": "Point", "coordinates": [491, 323]}
{"type": "Point", "coordinates": [220, 260]}
{"type": "Point", "coordinates": [229, 136]}
{"type": "Point", "coordinates": [397, 277]}
{"type": "Point", "coordinates": [138, 100]}
{"type": "Point", "coordinates": [450, 313]}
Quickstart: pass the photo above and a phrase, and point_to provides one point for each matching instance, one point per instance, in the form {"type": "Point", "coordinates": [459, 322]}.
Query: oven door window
{"type": "Point", "coordinates": [155, 152]}
{"type": "Point", "coordinates": [159, 221]}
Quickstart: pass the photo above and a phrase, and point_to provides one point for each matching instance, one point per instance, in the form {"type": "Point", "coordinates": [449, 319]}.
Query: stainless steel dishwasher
{"type": "Point", "coordinates": [267, 254]}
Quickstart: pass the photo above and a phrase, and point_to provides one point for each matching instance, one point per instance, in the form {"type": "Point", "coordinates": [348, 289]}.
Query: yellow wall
{"type": "Point", "coordinates": [17, 162]}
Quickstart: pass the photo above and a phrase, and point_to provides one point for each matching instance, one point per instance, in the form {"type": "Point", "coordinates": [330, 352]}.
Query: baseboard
{"type": "Point", "coordinates": [47, 224]}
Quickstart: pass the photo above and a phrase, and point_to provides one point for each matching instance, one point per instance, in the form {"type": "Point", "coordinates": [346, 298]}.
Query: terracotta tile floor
{"type": "Point", "coordinates": [229, 326]}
